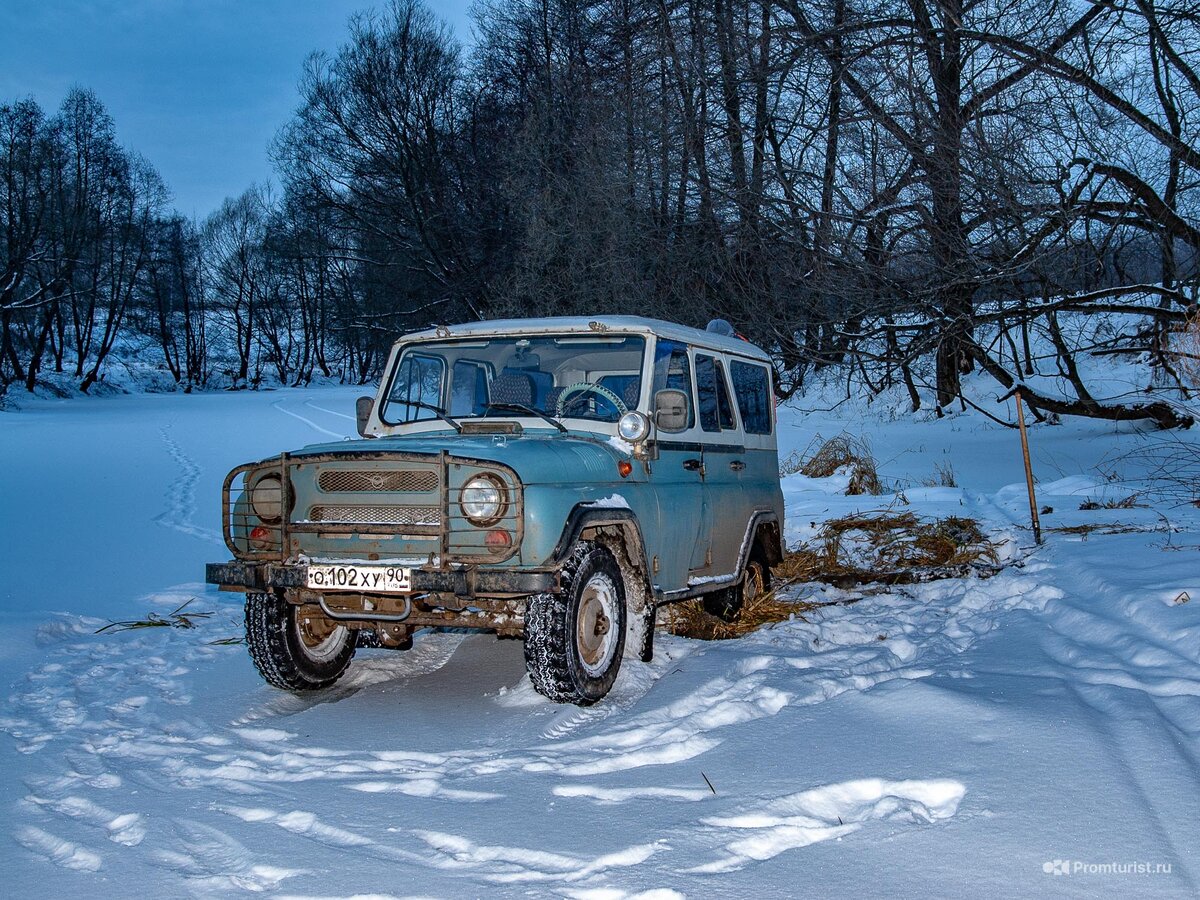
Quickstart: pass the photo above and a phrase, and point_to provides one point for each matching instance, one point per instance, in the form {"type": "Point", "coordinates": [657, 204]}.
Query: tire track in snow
{"type": "Point", "coordinates": [427, 655]}
{"type": "Point", "coordinates": [309, 422]}
{"type": "Point", "coordinates": [498, 864]}
{"type": "Point", "coordinates": [106, 710]}
{"type": "Point", "coordinates": [633, 683]}
{"type": "Point", "coordinates": [1132, 679]}
{"type": "Point", "coordinates": [114, 708]}
{"type": "Point", "coordinates": [331, 412]}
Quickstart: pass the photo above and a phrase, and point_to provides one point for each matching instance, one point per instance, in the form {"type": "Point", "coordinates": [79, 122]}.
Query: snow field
{"type": "Point", "coordinates": [943, 738]}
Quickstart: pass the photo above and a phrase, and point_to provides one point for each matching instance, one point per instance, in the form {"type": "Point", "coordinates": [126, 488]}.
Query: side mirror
{"type": "Point", "coordinates": [363, 407]}
{"type": "Point", "coordinates": [671, 410]}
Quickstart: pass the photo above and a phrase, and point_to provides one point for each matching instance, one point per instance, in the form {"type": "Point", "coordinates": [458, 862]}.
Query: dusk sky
{"type": "Point", "coordinates": [198, 87]}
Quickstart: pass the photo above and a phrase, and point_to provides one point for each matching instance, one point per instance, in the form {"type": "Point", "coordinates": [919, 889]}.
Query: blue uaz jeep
{"type": "Point", "coordinates": [551, 479]}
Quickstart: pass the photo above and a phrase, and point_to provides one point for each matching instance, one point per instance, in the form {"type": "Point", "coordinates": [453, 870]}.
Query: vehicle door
{"type": "Point", "coordinates": [755, 407]}
{"type": "Point", "coordinates": [679, 543]}
{"type": "Point", "coordinates": [723, 463]}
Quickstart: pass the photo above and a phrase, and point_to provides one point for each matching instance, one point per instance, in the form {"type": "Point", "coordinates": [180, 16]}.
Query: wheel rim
{"type": "Point", "coordinates": [755, 582]}
{"type": "Point", "coordinates": [596, 624]}
{"type": "Point", "coordinates": [321, 637]}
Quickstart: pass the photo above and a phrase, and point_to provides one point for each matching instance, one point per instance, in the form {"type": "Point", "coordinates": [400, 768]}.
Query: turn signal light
{"type": "Point", "coordinates": [260, 537]}
{"type": "Point", "coordinates": [624, 467]}
{"type": "Point", "coordinates": [497, 539]}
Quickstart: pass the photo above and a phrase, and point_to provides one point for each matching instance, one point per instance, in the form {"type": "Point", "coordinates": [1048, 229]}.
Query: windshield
{"type": "Point", "coordinates": [584, 377]}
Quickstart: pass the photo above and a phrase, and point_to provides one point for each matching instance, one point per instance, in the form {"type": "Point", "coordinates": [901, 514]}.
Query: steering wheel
{"type": "Point", "coordinates": [586, 387]}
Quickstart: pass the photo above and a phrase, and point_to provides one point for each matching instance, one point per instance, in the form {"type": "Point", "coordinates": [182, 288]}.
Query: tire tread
{"type": "Point", "coordinates": [268, 618]}
{"type": "Point", "coordinates": [548, 642]}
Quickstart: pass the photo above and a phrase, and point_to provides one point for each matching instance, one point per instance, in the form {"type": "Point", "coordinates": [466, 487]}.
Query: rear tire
{"type": "Point", "coordinates": [574, 641]}
{"type": "Point", "coordinates": [294, 648]}
{"type": "Point", "coordinates": [727, 605]}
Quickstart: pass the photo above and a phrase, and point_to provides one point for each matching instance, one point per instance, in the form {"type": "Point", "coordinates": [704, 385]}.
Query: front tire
{"type": "Point", "coordinates": [294, 647]}
{"type": "Point", "coordinates": [574, 641]}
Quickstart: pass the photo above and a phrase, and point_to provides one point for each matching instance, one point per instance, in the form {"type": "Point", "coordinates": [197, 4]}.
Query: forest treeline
{"type": "Point", "coordinates": [909, 190]}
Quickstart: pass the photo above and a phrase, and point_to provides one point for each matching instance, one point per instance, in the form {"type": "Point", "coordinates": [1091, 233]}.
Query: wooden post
{"type": "Point", "coordinates": [1033, 510]}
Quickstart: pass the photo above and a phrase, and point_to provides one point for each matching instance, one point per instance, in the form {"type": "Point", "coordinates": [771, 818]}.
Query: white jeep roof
{"type": "Point", "coordinates": [595, 324]}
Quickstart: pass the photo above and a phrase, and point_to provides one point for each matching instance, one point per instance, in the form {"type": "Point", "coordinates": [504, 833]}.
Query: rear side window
{"type": "Point", "coordinates": [712, 396]}
{"type": "Point", "coordinates": [752, 387]}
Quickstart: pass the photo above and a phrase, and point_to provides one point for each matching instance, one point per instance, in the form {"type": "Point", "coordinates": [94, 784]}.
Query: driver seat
{"type": "Point", "coordinates": [633, 393]}
{"type": "Point", "coordinates": [512, 387]}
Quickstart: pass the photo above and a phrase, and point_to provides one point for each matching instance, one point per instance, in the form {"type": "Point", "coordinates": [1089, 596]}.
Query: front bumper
{"type": "Point", "coordinates": [464, 582]}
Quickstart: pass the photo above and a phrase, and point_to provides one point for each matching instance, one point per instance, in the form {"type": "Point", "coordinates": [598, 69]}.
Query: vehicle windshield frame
{"type": "Point", "coordinates": [518, 357]}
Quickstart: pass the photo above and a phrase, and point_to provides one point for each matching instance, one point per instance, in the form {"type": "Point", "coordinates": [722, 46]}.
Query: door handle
{"type": "Point", "coordinates": [737, 465]}
{"type": "Point", "coordinates": [693, 465]}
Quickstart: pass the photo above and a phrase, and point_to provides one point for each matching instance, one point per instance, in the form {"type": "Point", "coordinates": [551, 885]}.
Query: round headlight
{"type": "Point", "coordinates": [266, 498]}
{"type": "Point", "coordinates": [483, 499]}
{"type": "Point", "coordinates": [634, 427]}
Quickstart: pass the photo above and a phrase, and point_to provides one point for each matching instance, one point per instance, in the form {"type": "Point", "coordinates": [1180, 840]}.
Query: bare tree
{"type": "Point", "coordinates": [235, 274]}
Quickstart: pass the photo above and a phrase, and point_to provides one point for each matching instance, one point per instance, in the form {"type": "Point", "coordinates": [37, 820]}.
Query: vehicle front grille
{"type": "Point", "coordinates": [377, 504]}
{"type": "Point", "coordinates": [352, 480]}
{"type": "Point", "coordinates": [376, 515]}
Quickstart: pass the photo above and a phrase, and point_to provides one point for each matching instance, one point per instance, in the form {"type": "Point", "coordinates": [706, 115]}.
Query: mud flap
{"type": "Point", "coordinates": [646, 645]}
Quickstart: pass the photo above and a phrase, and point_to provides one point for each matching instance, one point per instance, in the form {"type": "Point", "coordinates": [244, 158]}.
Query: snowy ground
{"type": "Point", "coordinates": [942, 740]}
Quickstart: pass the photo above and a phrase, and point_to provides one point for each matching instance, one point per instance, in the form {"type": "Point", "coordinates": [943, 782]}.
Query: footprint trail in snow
{"type": "Point", "coordinates": [181, 495]}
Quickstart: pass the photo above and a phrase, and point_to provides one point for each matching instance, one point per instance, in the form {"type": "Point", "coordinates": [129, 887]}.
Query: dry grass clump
{"type": "Point", "coordinates": [1103, 528]}
{"type": "Point", "coordinates": [844, 453]}
{"type": "Point", "coordinates": [792, 463]}
{"type": "Point", "coordinates": [1129, 502]}
{"type": "Point", "coordinates": [175, 619]}
{"type": "Point", "coordinates": [889, 548]}
{"type": "Point", "coordinates": [943, 476]}
{"type": "Point", "coordinates": [689, 619]}
{"type": "Point", "coordinates": [886, 547]}
{"type": "Point", "coordinates": [1186, 345]}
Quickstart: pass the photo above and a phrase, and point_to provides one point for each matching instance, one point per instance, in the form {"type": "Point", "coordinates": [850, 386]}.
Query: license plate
{"type": "Point", "coordinates": [377, 579]}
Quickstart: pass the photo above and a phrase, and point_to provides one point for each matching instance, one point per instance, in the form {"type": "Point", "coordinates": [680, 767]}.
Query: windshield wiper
{"type": "Point", "coordinates": [521, 407]}
{"type": "Point", "coordinates": [436, 410]}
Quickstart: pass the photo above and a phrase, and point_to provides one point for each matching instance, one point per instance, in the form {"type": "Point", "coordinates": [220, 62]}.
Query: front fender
{"type": "Point", "coordinates": [621, 533]}
{"type": "Point", "coordinates": [585, 516]}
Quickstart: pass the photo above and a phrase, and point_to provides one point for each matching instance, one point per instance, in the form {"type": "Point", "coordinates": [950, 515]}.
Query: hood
{"type": "Point", "coordinates": [537, 458]}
